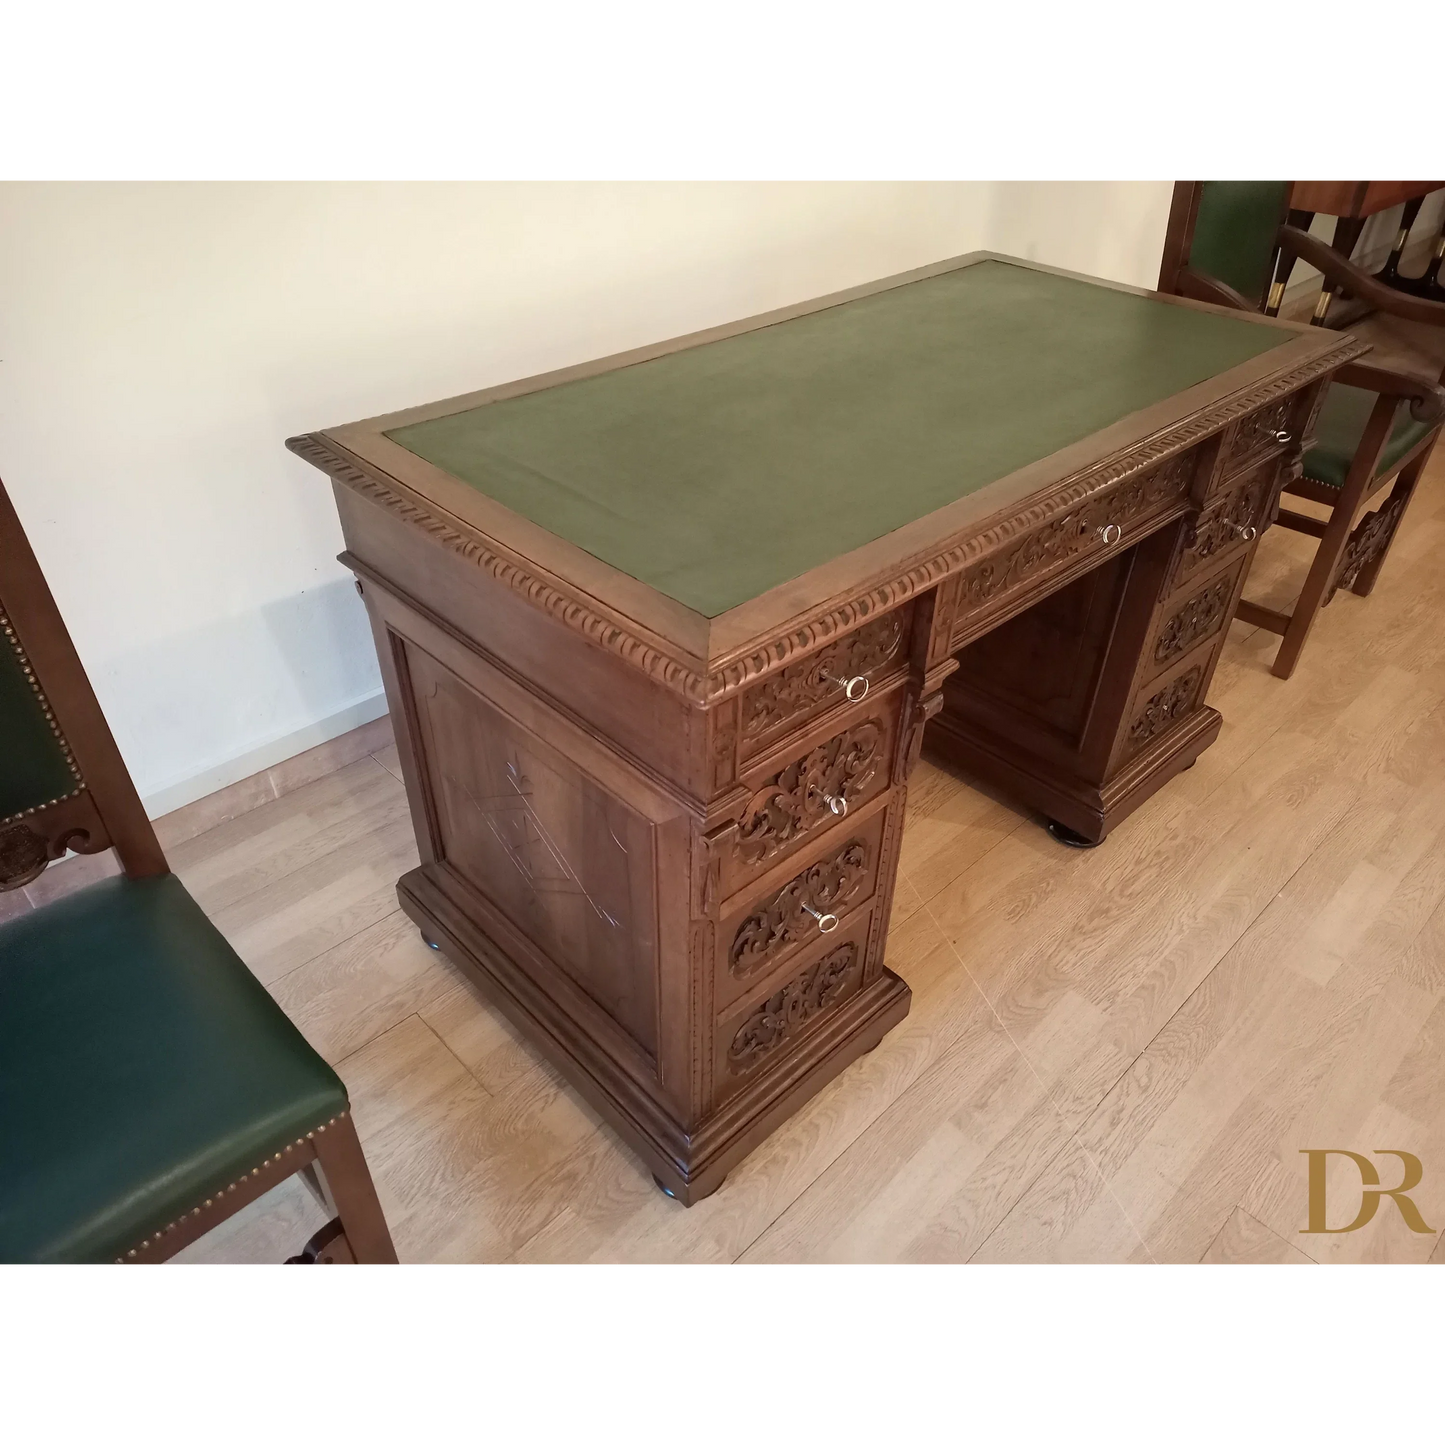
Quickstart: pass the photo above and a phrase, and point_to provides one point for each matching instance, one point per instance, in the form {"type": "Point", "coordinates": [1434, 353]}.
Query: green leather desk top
{"type": "Point", "coordinates": [719, 471]}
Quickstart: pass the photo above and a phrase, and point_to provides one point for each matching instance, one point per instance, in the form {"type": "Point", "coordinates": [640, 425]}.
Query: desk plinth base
{"type": "Point", "coordinates": [691, 1166]}
{"type": "Point", "coordinates": [1087, 809]}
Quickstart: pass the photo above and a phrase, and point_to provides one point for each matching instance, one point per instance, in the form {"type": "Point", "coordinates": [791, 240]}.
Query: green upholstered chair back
{"type": "Point", "coordinates": [63, 784]}
{"type": "Point", "coordinates": [1234, 233]}
{"type": "Point", "coordinates": [36, 765]}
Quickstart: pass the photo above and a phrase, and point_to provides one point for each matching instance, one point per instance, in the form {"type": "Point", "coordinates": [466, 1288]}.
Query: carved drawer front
{"type": "Point", "coordinates": [1268, 433]}
{"type": "Point", "coordinates": [1195, 615]}
{"type": "Point", "coordinates": [813, 788]}
{"type": "Point", "coordinates": [845, 671]}
{"type": "Point", "coordinates": [816, 894]}
{"type": "Point", "coordinates": [1163, 703]}
{"type": "Point", "coordinates": [1228, 525]}
{"type": "Point", "coordinates": [773, 1020]}
{"type": "Point", "coordinates": [1071, 542]}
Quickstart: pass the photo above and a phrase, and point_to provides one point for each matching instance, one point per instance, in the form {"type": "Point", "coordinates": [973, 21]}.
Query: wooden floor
{"type": "Point", "coordinates": [1113, 1055]}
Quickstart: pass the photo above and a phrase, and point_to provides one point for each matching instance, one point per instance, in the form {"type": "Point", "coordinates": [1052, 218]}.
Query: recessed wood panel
{"type": "Point", "coordinates": [568, 863]}
{"type": "Point", "coordinates": [1044, 664]}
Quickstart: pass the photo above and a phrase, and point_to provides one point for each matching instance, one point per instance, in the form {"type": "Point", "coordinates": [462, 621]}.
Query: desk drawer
{"type": "Point", "coordinates": [1228, 525]}
{"type": "Point", "coordinates": [844, 671]}
{"type": "Point", "coordinates": [1164, 703]}
{"type": "Point", "coordinates": [770, 926]}
{"type": "Point", "coordinates": [812, 787]}
{"type": "Point", "coordinates": [771, 1020]}
{"type": "Point", "coordinates": [1069, 544]}
{"type": "Point", "coordinates": [1195, 615]}
{"type": "Point", "coordinates": [1269, 433]}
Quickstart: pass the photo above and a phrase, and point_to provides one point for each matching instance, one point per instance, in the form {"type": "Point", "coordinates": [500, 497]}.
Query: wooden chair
{"type": "Point", "coordinates": [149, 1086]}
{"type": "Point", "coordinates": [1376, 425]}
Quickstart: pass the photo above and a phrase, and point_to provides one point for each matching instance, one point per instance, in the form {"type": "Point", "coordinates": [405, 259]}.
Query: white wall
{"type": "Point", "coordinates": [158, 342]}
{"type": "Point", "coordinates": [1113, 229]}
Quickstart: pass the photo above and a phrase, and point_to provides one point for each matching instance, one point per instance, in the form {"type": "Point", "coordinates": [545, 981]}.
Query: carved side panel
{"type": "Point", "coordinates": [1162, 709]}
{"type": "Point", "coordinates": [1368, 541]}
{"type": "Point", "coordinates": [795, 694]}
{"type": "Point", "coordinates": [566, 862]}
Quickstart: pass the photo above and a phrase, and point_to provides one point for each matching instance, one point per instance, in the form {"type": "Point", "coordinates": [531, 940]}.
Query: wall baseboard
{"type": "Point", "coordinates": [278, 750]}
{"type": "Point", "coordinates": [232, 800]}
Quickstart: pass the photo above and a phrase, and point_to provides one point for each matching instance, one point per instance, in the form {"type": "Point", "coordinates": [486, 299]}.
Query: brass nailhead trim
{"type": "Point", "coordinates": [230, 1188]}
{"type": "Point", "coordinates": [14, 640]}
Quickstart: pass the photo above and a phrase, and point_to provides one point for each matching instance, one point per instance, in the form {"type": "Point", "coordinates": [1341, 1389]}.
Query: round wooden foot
{"type": "Point", "coordinates": [666, 1188]}
{"type": "Point", "coordinates": [430, 942]}
{"type": "Point", "coordinates": [1062, 833]}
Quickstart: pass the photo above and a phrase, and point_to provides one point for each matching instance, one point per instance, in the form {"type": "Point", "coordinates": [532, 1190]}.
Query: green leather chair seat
{"type": "Point", "coordinates": [142, 1068]}
{"type": "Point", "coordinates": [1342, 424]}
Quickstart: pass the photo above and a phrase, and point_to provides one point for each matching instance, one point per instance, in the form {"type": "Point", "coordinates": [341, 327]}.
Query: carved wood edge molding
{"type": "Point", "coordinates": [933, 566]}
{"type": "Point", "coordinates": [615, 634]}
{"type": "Point", "coordinates": [569, 608]}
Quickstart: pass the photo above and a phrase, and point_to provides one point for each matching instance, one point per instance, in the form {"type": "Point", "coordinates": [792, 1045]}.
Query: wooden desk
{"type": "Point", "coordinates": [661, 634]}
{"type": "Point", "coordinates": [1355, 200]}
{"type": "Point", "coordinates": [1352, 203]}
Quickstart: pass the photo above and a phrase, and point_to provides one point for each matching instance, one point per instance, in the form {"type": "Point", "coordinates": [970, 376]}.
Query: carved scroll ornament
{"type": "Point", "coordinates": [1366, 543]}
{"type": "Point", "coordinates": [1262, 429]}
{"type": "Point", "coordinates": [1165, 708]}
{"type": "Point", "coordinates": [1077, 531]}
{"type": "Point", "coordinates": [23, 856]}
{"type": "Point", "coordinates": [1200, 617]}
{"type": "Point", "coordinates": [818, 679]}
{"type": "Point", "coordinates": [810, 791]}
{"type": "Point", "coordinates": [1227, 523]}
{"type": "Point", "coordinates": [782, 1015]}
{"type": "Point", "coordinates": [784, 920]}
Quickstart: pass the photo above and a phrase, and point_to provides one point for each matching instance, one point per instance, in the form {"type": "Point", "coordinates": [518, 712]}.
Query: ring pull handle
{"type": "Point", "coordinates": [855, 689]}
{"type": "Point", "coordinates": [1283, 437]}
{"type": "Point", "coordinates": [1248, 533]}
{"type": "Point", "coordinates": [827, 922]}
{"type": "Point", "coordinates": [1111, 533]}
{"type": "Point", "coordinates": [836, 805]}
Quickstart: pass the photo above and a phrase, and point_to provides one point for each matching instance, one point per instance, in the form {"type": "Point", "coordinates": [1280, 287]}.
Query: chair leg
{"type": "Point", "coordinates": [1320, 584]}
{"type": "Point", "coordinates": [338, 1151]}
{"type": "Point", "coordinates": [1374, 545]}
{"type": "Point", "coordinates": [1312, 597]}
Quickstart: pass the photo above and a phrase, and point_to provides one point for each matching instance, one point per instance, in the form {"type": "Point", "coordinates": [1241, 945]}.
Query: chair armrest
{"type": "Point", "coordinates": [1199, 287]}
{"type": "Point", "coordinates": [1354, 282]}
{"type": "Point", "coordinates": [1427, 401]}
